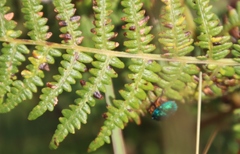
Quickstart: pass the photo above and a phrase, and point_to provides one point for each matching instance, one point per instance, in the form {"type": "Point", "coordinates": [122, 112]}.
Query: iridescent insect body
{"type": "Point", "coordinates": [161, 110]}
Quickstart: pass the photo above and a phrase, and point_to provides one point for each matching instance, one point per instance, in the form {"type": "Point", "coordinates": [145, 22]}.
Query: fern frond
{"type": "Point", "coordinates": [177, 79]}
{"type": "Point", "coordinates": [11, 57]}
{"type": "Point", "coordinates": [175, 40]}
{"type": "Point", "coordinates": [72, 64]}
{"type": "Point", "coordinates": [144, 74]}
{"type": "Point", "coordinates": [174, 78]}
{"type": "Point", "coordinates": [217, 46]}
{"type": "Point", "coordinates": [116, 117]}
{"type": "Point", "coordinates": [102, 74]}
{"type": "Point", "coordinates": [72, 120]}
{"type": "Point", "coordinates": [22, 90]}
{"type": "Point", "coordinates": [217, 80]}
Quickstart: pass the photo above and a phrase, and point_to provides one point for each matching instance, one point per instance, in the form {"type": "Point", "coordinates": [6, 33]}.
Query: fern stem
{"type": "Point", "coordinates": [117, 141]}
{"type": "Point", "coordinates": [117, 138]}
{"type": "Point", "coordinates": [186, 59]}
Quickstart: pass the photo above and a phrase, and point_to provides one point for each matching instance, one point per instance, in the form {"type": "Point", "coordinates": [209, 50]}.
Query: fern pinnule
{"type": "Point", "coordinates": [175, 39]}
{"type": "Point", "coordinates": [43, 55]}
{"type": "Point", "coordinates": [71, 65]}
{"type": "Point", "coordinates": [22, 90]}
{"type": "Point", "coordinates": [173, 78]}
{"type": "Point", "coordinates": [72, 120]}
{"type": "Point", "coordinates": [11, 57]}
{"type": "Point", "coordinates": [115, 117]}
{"type": "Point", "coordinates": [217, 46]}
{"type": "Point", "coordinates": [103, 71]}
{"type": "Point", "coordinates": [136, 22]}
{"type": "Point", "coordinates": [11, 100]}
{"type": "Point", "coordinates": [143, 74]}
{"type": "Point", "coordinates": [143, 71]}
{"type": "Point", "coordinates": [217, 79]}
{"type": "Point", "coordinates": [101, 75]}
{"type": "Point", "coordinates": [34, 20]}
{"type": "Point", "coordinates": [176, 79]}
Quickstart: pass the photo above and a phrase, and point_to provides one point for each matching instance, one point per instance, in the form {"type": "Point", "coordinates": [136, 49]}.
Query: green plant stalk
{"type": "Point", "coordinates": [185, 59]}
{"type": "Point", "coordinates": [117, 141]}
{"type": "Point", "coordinates": [117, 138]}
{"type": "Point", "coordinates": [199, 113]}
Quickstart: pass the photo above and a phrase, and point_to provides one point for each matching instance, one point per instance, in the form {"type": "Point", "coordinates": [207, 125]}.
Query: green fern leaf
{"type": "Point", "coordinates": [176, 42]}
{"type": "Point", "coordinates": [11, 57]}
{"type": "Point", "coordinates": [174, 78]}
{"type": "Point", "coordinates": [217, 46]}
{"type": "Point", "coordinates": [217, 77]}
{"type": "Point", "coordinates": [102, 74]}
{"type": "Point", "coordinates": [69, 70]}
{"type": "Point", "coordinates": [144, 73]}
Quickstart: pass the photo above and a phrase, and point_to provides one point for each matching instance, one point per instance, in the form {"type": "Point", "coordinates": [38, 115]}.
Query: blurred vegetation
{"type": "Point", "coordinates": [176, 135]}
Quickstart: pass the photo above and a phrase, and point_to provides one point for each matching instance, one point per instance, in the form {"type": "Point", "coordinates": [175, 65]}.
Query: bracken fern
{"type": "Point", "coordinates": [173, 78]}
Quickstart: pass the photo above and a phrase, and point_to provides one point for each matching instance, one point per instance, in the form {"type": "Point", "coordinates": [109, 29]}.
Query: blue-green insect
{"type": "Point", "coordinates": [161, 110]}
{"type": "Point", "coordinates": [164, 110]}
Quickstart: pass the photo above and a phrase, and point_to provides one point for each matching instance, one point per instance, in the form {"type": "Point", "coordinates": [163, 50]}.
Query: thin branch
{"type": "Point", "coordinates": [210, 140]}
{"type": "Point", "coordinates": [199, 113]}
